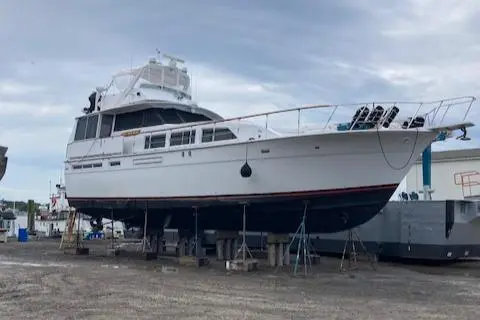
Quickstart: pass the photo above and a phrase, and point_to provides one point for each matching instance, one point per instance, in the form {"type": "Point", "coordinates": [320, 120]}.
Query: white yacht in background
{"type": "Point", "coordinates": [3, 161]}
{"type": "Point", "coordinates": [52, 222]}
{"type": "Point", "coordinates": [143, 143]}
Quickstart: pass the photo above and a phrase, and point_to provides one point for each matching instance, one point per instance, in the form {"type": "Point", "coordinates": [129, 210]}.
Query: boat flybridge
{"type": "Point", "coordinates": [143, 144]}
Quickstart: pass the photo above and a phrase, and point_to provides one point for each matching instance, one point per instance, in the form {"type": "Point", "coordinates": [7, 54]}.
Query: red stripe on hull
{"type": "Point", "coordinates": [296, 194]}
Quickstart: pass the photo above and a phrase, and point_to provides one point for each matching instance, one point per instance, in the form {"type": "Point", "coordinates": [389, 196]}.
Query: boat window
{"type": "Point", "coordinates": [154, 117]}
{"type": "Point", "coordinates": [106, 127]}
{"type": "Point", "coordinates": [219, 134]}
{"type": "Point", "coordinates": [81, 128]}
{"type": "Point", "coordinates": [87, 166]}
{"type": "Point", "coordinates": [223, 134]}
{"type": "Point", "coordinates": [92, 122]}
{"type": "Point", "coordinates": [183, 137]}
{"type": "Point", "coordinates": [129, 120]}
{"type": "Point", "coordinates": [155, 141]}
{"type": "Point", "coordinates": [207, 135]}
{"type": "Point", "coordinates": [170, 116]}
{"type": "Point", "coordinates": [191, 117]}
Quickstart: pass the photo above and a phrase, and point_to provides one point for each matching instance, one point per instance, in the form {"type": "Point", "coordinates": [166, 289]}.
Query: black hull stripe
{"type": "Point", "coordinates": [297, 194]}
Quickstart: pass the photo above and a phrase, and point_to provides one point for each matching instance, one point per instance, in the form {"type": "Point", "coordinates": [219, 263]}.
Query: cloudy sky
{"type": "Point", "coordinates": [245, 56]}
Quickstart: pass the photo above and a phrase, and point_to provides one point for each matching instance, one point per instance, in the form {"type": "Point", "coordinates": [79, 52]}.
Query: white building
{"type": "Point", "coordinates": [449, 168]}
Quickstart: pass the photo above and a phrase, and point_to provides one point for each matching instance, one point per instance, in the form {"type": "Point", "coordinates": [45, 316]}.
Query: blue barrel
{"type": "Point", "coordinates": [22, 235]}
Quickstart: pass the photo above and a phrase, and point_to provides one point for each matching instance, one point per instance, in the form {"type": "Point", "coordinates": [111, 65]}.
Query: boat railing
{"type": "Point", "coordinates": [326, 117]}
{"type": "Point", "coordinates": [468, 181]}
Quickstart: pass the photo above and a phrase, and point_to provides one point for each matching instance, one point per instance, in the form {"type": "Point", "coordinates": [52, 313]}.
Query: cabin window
{"type": "Point", "coordinates": [129, 120]}
{"type": "Point", "coordinates": [191, 117]}
{"type": "Point", "coordinates": [106, 127]}
{"type": "Point", "coordinates": [81, 129]}
{"type": "Point", "coordinates": [219, 134]}
{"type": "Point", "coordinates": [207, 135]}
{"type": "Point", "coordinates": [155, 141]}
{"type": "Point", "coordinates": [183, 137]}
{"type": "Point", "coordinates": [86, 128]}
{"type": "Point", "coordinates": [114, 163]}
{"type": "Point", "coordinates": [92, 123]}
{"type": "Point", "coordinates": [87, 166]}
{"type": "Point", "coordinates": [153, 117]}
{"type": "Point", "coordinates": [171, 116]}
{"type": "Point", "coordinates": [223, 134]}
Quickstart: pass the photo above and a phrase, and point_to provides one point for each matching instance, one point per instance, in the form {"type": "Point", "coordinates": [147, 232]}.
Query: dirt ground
{"type": "Point", "coordinates": [38, 281]}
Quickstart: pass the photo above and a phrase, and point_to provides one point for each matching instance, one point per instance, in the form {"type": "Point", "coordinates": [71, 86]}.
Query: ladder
{"type": "Point", "coordinates": [69, 240]}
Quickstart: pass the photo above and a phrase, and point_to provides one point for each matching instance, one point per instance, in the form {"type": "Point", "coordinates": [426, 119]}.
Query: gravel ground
{"type": "Point", "coordinates": [37, 281]}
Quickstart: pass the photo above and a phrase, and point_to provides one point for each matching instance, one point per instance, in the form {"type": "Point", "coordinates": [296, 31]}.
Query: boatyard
{"type": "Point", "coordinates": [239, 160]}
{"type": "Point", "coordinates": [67, 262]}
{"type": "Point", "coordinates": [38, 281]}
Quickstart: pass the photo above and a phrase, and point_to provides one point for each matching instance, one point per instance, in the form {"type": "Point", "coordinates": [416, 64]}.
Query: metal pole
{"type": "Point", "coordinates": [78, 228]}
{"type": "Point", "coordinates": [145, 231]}
{"type": "Point", "coordinates": [196, 231]}
{"type": "Point", "coordinates": [427, 172]}
{"type": "Point", "coordinates": [244, 243]}
{"type": "Point", "coordinates": [111, 217]}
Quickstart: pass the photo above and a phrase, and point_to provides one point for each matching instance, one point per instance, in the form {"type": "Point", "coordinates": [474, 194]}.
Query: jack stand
{"type": "Point", "coordinates": [244, 248]}
{"type": "Point", "coordinates": [352, 253]}
{"type": "Point", "coordinates": [200, 258]}
{"type": "Point", "coordinates": [146, 248]}
{"type": "Point", "coordinates": [244, 264]}
{"type": "Point", "coordinates": [112, 250]}
{"type": "Point", "coordinates": [303, 238]}
{"type": "Point", "coordinates": [194, 257]}
{"type": "Point", "coordinates": [195, 241]}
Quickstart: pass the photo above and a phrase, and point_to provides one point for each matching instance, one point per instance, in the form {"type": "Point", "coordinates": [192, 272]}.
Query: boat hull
{"type": "Point", "coordinates": [346, 177]}
{"type": "Point", "coordinates": [327, 210]}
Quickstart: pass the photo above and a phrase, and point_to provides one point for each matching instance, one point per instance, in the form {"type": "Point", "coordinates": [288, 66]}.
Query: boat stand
{"type": "Point", "coordinates": [244, 248]}
{"type": "Point", "coordinates": [146, 247]}
{"type": "Point", "coordinates": [350, 239]}
{"type": "Point", "coordinates": [303, 245]}
{"type": "Point", "coordinates": [113, 250]}
{"type": "Point", "coordinates": [243, 264]}
{"type": "Point", "coordinates": [195, 254]}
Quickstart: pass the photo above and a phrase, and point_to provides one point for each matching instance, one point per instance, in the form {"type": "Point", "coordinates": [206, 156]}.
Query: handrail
{"type": "Point", "coordinates": [466, 181]}
{"type": "Point", "coordinates": [460, 101]}
{"type": "Point", "coordinates": [463, 175]}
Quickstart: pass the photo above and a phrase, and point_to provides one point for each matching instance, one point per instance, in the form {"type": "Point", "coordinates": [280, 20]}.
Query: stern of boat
{"type": "Point", "coordinates": [3, 161]}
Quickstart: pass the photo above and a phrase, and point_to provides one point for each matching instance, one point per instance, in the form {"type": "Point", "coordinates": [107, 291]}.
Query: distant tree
{"type": "Point", "coordinates": [21, 205]}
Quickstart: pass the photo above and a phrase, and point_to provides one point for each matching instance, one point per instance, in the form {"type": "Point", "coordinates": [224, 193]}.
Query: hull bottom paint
{"type": "Point", "coordinates": [328, 211]}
